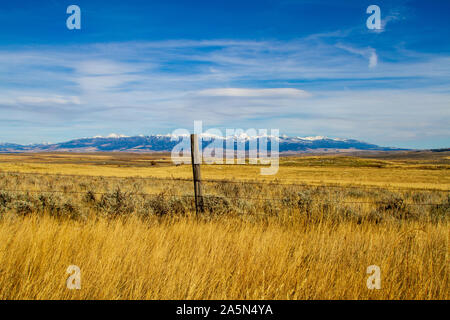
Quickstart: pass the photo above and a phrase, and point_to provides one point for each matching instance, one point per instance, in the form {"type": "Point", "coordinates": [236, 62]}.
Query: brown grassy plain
{"type": "Point", "coordinates": [130, 228]}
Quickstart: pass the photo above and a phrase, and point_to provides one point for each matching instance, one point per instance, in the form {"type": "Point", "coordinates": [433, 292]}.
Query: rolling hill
{"type": "Point", "coordinates": [165, 143]}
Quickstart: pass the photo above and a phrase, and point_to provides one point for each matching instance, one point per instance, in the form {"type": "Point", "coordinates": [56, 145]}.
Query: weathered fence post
{"type": "Point", "coordinates": [196, 161]}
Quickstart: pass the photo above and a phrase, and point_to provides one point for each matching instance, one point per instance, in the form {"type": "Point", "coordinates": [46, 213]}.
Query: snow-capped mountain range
{"type": "Point", "coordinates": [165, 143]}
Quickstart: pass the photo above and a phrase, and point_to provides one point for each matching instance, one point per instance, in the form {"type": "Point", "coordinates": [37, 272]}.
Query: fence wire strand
{"type": "Point", "coordinates": [209, 196]}
{"type": "Point", "coordinates": [277, 182]}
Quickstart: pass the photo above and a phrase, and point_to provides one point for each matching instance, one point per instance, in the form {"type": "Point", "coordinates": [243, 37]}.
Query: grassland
{"type": "Point", "coordinates": [129, 224]}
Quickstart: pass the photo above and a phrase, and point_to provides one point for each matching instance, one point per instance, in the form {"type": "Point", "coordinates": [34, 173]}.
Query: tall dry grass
{"type": "Point", "coordinates": [138, 239]}
{"type": "Point", "coordinates": [220, 258]}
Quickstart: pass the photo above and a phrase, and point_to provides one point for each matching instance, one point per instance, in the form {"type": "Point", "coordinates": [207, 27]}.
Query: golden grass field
{"type": "Point", "coordinates": [130, 226]}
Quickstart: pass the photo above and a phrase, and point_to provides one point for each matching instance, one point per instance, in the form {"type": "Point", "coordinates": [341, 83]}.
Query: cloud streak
{"type": "Point", "coordinates": [52, 100]}
{"type": "Point", "coordinates": [243, 92]}
{"type": "Point", "coordinates": [368, 53]}
{"type": "Point", "coordinates": [304, 86]}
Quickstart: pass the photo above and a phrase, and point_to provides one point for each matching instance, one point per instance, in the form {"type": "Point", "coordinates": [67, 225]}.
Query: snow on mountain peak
{"type": "Point", "coordinates": [112, 135]}
{"type": "Point", "coordinates": [314, 138]}
{"type": "Point", "coordinates": [242, 136]}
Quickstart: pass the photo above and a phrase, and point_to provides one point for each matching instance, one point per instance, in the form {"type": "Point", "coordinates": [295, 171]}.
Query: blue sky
{"type": "Point", "coordinates": [304, 67]}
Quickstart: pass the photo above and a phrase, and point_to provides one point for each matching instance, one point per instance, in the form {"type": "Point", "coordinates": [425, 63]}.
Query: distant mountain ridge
{"type": "Point", "coordinates": [165, 143]}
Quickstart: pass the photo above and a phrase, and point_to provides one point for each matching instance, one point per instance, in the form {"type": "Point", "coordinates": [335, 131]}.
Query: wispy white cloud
{"type": "Point", "coordinates": [373, 59]}
{"type": "Point", "coordinates": [368, 53]}
{"type": "Point", "coordinates": [106, 67]}
{"type": "Point", "coordinates": [396, 14]}
{"type": "Point", "coordinates": [305, 87]}
{"type": "Point", "coordinates": [58, 100]}
{"type": "Point", "coordinates": [243, 92]}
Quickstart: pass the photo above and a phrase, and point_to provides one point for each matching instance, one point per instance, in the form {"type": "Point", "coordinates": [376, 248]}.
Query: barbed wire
{"type": "Point", "coordinates": [213, 196]}
{"type": "Point", "coordinates": [278, 182]}
{"type": "Point", "coordinates": [269, 182]}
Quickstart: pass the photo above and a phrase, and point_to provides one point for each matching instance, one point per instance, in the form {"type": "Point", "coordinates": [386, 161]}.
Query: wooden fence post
{"type": "Point", "coordinates": [196, 161]}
